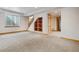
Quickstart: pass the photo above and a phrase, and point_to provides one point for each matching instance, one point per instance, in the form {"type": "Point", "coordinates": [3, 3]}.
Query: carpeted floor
{"type": "Point", "coordinates": [35, 42]}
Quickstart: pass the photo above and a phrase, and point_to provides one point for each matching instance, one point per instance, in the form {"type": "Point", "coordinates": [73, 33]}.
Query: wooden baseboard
{"type": "Point", "coordinates": [76, 40]}
{"type": "Point", "coordinates": [3, 33]}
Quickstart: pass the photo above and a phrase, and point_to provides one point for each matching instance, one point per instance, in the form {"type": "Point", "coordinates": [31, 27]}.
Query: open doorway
{"type": "Point", "coordinates": [54, 23]}
{"type": "Point", "coordinates": [38, 24]}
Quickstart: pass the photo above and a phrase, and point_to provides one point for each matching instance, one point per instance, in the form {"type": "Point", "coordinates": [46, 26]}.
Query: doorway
{"type": "Point", "coordinates": [38, 24]}
{"type": "Point", "coordinates": [54, 23]}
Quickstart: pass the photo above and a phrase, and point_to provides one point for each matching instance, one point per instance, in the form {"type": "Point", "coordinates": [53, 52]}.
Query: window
{"type": "Point", "coordinates": [12, 21]}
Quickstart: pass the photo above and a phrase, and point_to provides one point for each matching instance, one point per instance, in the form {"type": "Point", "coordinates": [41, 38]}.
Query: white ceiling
{"type": "Point", "coordinates": [33, 10]}
{"type": "Point", "coordinates": [30, 10]}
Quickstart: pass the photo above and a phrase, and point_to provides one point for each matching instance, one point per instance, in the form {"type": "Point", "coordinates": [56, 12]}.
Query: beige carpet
{"type": "Point", "coordinates": [35, 42]}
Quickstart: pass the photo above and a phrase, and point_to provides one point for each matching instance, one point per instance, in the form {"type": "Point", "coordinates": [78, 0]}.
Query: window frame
{"type": "Point", "coordinates": [16, 25]}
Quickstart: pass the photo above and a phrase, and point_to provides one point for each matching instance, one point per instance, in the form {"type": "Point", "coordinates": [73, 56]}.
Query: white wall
{"type": "Point", "coordinates": [45, 22]}
{"type": "Point", "coordinates": [23, 22]}
{"type": "Point", "coordinates": [70, 23]}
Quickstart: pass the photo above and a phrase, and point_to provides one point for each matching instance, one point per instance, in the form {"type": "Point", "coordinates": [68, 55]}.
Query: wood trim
{"type": "Point", "coordinates": [58, 23]}
{"type": "Point", "coordinates": [50, 20]}
{"type": "Point", "coordinates": [76, 40]}
{"type": "Point", "coordinates": [3, 33]}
